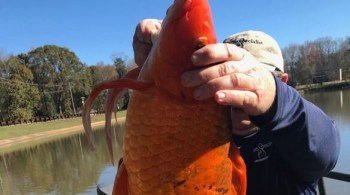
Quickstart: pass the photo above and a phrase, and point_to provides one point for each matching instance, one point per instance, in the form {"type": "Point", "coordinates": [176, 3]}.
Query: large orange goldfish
{"type": "Point", "coordinates": [173, 144]}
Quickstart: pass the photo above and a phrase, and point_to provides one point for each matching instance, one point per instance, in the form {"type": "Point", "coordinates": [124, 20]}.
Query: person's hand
{"type": "Point", "coordinates": [145, 34]}
{"type": "Point", "coordinates": [241, 123]}
{"type": "Point", "coordinates": [236, 79]}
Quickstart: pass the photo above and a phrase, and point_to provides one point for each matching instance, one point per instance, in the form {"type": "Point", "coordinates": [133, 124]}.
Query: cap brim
{"type": "Point", "coordinates": [269, 67]}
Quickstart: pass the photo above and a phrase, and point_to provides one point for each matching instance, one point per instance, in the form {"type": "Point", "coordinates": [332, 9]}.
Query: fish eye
{"type": "Point", "coordinates": [199, 45]}
{"type": "Point", "coordinates": [201, 42]}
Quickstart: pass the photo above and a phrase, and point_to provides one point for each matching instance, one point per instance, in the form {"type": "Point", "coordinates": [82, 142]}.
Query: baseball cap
{"type": "Point", "coordinates": [262, 46]}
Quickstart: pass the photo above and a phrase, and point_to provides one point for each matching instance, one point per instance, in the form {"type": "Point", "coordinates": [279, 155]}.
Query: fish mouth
{"type": "Point", "coordinates": [179, 8]}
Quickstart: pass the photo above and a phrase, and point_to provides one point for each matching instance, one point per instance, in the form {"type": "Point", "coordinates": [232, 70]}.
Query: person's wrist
{"type": "Point", "coordinates": [266, 117]}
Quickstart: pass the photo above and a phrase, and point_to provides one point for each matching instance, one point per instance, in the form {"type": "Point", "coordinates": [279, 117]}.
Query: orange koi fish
{"type": "Point", "coordinates": [173, 144]}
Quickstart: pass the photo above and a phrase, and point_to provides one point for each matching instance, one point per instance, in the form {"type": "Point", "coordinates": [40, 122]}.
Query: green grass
{"type": "Point", "coordinates": [25, 129]}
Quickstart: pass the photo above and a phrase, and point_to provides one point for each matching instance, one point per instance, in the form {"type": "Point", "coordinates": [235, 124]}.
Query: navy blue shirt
{"type": "Point", "coordinates": [296, 145]}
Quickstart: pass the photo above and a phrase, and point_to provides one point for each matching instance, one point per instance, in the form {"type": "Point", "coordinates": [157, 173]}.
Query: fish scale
{"type": "Point", "coordinates": [171, 160]}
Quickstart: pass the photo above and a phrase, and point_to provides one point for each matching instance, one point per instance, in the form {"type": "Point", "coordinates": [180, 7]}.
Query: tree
{"type": "Point", "coordinates": [291, 56]}
{"type": "Point", "coordinates": [302, 72]}
{"type": "Point", "coordinates": [3, 75]}
{"type": "Point", "coordinates": [60, 76]}
{"type": "Point", "coordinates": [121, 68]}
{"type": "Point", "coordinates": [21, 95]}
{"type": "Point", "coordinates": [344, 53]}
{"type": "Point", "coordinates": [100, 73]}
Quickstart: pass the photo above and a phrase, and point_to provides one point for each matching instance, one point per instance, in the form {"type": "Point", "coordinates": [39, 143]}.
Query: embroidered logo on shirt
{"type": "Point", "coordinates": [260, 152]}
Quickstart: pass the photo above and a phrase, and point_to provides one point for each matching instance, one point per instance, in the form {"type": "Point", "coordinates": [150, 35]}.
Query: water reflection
{"type": "Point", "coordinates": [67, 166]}
{"type": "Point", "coordinates": [335, 103]}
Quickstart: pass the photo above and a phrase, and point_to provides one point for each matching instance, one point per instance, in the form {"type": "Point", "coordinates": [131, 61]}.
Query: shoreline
{"type": "Point", "coordinates": [331, 85]}
{"type": "Point", "coordinates": [21, 142]}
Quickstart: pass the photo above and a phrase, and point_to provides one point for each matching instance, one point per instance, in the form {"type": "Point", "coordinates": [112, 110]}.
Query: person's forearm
{"type": "Point", "coordinates": [306, 137]}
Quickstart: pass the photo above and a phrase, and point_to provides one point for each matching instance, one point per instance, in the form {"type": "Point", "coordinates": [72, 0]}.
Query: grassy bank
{"type": "Point", "coordinates": [25, 129]}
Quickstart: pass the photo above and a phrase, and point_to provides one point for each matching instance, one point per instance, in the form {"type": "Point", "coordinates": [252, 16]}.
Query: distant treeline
{"type": "Point", "coordinates": [50, 81]}
{"type": "Point", "coordinates": [317, 61]}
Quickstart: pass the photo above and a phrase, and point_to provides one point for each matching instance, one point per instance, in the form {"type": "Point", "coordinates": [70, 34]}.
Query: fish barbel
{"type": "Point", "coordinates": [173, 144]}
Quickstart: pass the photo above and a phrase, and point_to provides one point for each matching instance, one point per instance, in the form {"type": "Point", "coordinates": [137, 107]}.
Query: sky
{"type": "Point", "coordinates": [98, 30]}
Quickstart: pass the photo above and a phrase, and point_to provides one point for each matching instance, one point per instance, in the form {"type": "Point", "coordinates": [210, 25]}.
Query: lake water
{"type": "Point", "coordinates": [66, 166]}
{"type": "Point", "coordinates": [69, 166]}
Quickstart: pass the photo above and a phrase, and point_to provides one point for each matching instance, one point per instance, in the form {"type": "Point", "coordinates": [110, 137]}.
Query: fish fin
{"type": "Point", "coordinates": [120, 186]}
{"type": "Point", "coordinates": [239, 178]}
{"type": "Point", "coordinates": [87, 118]}
{"type": "Point", "coordinates": [127, 82]}
{"type": "Point", "coordinates": [112, 96]}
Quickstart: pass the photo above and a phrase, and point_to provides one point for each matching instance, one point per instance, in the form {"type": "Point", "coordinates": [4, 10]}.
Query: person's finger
{"type": "Point", "coordinates": [146, 29]}
{"type": "Point", "coordinates": [141, 51]}
{"type": "Point", "coordinates": [235, 81]}
{"type": "Point", "coordinates": [215, 53]}
{"type": "Point", "coordinates": [201, 76]}
{"type": "Point", "coordinates": [240, 120]}
{"type": "Point", "coordinates": [245, 132]}
{"type": "Point", "coordinates": [143, 39]}
{"type": "Point", "coordinates": [241, 123]}
{"type": "Point", "coordinates": [237, 98]}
